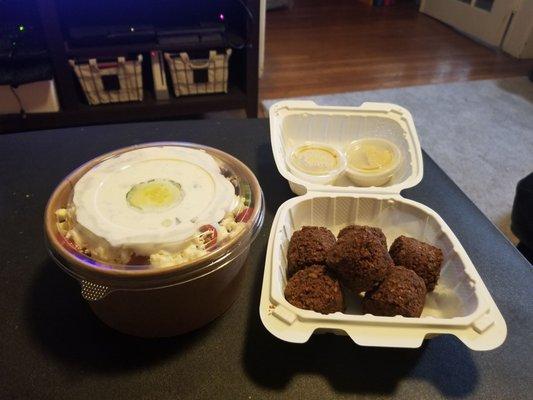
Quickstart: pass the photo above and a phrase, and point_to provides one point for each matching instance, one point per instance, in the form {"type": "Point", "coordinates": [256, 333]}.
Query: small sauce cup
{"type": "Point", "coordinates": [316, 163]}
{"type": "Point", "coordinates": [372, 161]}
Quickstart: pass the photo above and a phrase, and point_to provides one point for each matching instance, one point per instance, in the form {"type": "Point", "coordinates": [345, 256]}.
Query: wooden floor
{"type": "Point", "coordinates": [325, 46]}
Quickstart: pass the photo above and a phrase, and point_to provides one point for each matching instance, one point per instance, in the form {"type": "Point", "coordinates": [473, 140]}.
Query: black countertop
{"type": "Point", "coordinates": [52, 346]}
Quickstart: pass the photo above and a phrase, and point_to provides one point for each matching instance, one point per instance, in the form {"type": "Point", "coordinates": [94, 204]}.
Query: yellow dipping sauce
{"type": "Point", "coordinates": [315, 159]}
{"type": "Point", "coordinates": [371, 157]}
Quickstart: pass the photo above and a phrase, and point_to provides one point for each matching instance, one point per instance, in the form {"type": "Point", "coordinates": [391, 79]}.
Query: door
{"type": "Point", "coordinates": [486, 20]}
{"type": "Point", "coordinates": [519, 38]}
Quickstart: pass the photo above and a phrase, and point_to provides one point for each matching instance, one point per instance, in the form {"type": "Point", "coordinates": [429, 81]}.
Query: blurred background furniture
{"type": "Point", "coordinates": [26, 76]}
{"type": "Point", "coordinates": [501, 24]}
{"type": "Point", "coordinates": [107, 29]}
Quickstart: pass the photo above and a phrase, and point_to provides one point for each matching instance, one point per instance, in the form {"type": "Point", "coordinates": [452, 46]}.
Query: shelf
{"type": "Point", "coordinates": [121, 49]}
{"type": "Point", "coordinates": [243, 75]}
{"type": "Point", "coordinates": [148, 109]}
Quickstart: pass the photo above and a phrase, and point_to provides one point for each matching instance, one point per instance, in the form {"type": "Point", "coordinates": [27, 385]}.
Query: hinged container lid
{"type": "Point", "coordinates": [297, 123]}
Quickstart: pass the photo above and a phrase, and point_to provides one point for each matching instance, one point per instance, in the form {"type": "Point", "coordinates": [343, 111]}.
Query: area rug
{"type": "Point", "coordinates": [479, 132]}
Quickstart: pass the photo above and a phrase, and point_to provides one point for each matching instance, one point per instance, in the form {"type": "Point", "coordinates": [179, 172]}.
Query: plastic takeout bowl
{"type": "Point", "coordinates": [157, 302]}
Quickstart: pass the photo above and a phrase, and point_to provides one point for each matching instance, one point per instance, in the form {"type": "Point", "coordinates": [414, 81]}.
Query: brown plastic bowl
{"type": "Point", "coordinates": [155, 302]}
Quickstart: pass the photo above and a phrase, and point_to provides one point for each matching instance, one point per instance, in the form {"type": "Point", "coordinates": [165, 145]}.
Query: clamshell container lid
{"type": "Point", "coordinates": [295, 123]}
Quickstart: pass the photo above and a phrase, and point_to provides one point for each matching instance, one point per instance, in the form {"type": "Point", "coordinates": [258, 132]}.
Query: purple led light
{"type": "Point", "coordinates": [221, 16]}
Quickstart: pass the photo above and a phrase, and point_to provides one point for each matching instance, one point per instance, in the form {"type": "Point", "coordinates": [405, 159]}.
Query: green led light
{"type": "Point", "coordinates": [21, 28]}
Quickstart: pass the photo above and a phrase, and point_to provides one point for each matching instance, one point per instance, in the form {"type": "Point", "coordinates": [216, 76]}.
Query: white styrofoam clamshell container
{"type": "Point", "coordinates": [460, 304]}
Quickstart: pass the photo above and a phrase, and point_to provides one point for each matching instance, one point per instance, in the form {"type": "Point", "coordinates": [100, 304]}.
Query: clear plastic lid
{"type": "Point", "coordinates": [316, 162]}
{"type": "Point", "coordinates": [155, 207]}
{"type": "Point", "coordinates": [372, 155]}
{"type": "Point", "coordinates": [316, 159]}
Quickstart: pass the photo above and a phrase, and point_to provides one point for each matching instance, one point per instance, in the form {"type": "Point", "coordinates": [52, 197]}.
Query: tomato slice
{"type": "Point", "coordinates": [209, 234]}
{"type": "Point", "coordinates": [244, 215]}
{"type": "Point", "coordinates": [68, 243]}
{"type": "Point", "coordinates": [139, 260]}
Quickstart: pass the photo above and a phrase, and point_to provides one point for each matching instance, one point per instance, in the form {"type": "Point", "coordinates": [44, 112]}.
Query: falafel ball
{"type": "Point", "coordinates": [423, 258]}
{"type": "Point", "coordinates": [313, 289]}
{"type": "Point", "coordinates": [368, 230]}
{"type": "Point", "coordinates": [402, 292]}
{"type": "Point", "coordinates": [308, 246]}
{"type": "Point", "coordinates": [359, 259]}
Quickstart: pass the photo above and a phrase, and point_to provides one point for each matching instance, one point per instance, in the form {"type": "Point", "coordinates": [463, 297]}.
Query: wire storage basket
{"type": "Point", "coordinates": [110, 82]}
{"type": "Point", "coordinates": [200, 75]}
